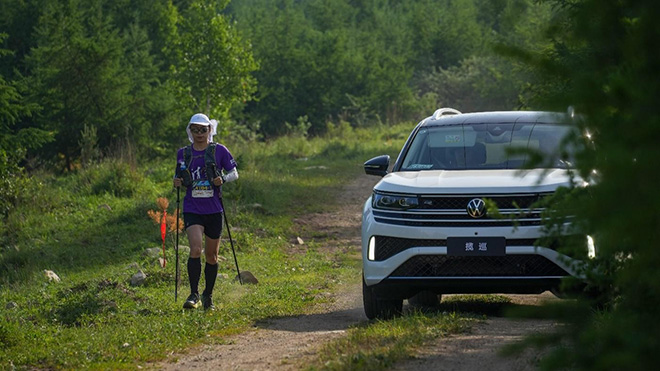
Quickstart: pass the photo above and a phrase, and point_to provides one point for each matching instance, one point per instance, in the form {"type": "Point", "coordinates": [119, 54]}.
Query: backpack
{"type": "Point", "coordinates": [212, 170]}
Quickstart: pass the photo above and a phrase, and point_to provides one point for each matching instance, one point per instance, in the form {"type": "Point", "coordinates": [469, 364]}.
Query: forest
{"type": "Point", "coordinates": [86, 81]}
{"type": "Point", "coordinates": [81, 79]}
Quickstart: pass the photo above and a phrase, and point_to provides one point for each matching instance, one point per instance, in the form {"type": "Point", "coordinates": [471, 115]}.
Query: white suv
{"type": "Point", "coordinates": [427, 230]}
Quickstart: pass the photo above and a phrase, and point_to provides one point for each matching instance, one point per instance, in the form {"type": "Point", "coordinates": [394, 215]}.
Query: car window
{"type": "Point", "coordinates": [484, 146]}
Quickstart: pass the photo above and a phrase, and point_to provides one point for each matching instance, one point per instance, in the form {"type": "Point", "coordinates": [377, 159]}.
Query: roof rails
{"type": "Point", "coordinates": [445, 112]}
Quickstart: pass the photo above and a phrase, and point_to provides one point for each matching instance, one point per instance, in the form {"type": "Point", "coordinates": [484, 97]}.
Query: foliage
{"type": "Point", "coordinates": [214, 64]}
{"type": "Point", "coordinates": [14, 141]}
{"type": "Point", "coordinates": [78, 76]}
{"type": "Point", "coordinates": [368, 62]}
{"type": "Point", "coordinates": [88, 145]}
{"type": "Point", "coordinates": [602, 62]}
{"type": "Point", "coordinates": [135, 70]}
{"type": "Point", "coordinates": [12, 182]}
{"type": "Point", "coordinates": [111, 176]}
{"type": "Point", "coordinates": [476, 84]}
{"type": "Point", "coordinates": [109, 65]}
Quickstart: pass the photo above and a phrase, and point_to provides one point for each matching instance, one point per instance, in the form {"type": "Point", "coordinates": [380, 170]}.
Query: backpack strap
{"type": "Point", "coordinates": [183, 171]}
{"type": "Point", "coordinates": [212, 170]}
{"type": "Point", "coordinates": [209, 154]}
{"type": "Point", "coordinates": [187, 156]}
{"type": "Point", "coordinates": [209, 160]}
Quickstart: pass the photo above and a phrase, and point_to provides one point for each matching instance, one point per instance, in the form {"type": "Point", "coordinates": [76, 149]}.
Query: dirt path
{"type": "Point", "coordinates": [480, 348]}
{"type": "Point", "coordinates": [285, 343]}
{"type": "Point", "coordinates": [280, 344]}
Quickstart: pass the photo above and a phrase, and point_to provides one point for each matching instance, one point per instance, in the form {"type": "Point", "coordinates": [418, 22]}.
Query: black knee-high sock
{"type": "Point", "coordinates": [210, 274]}
{"type": "Point", "coordinates": [194, 273]}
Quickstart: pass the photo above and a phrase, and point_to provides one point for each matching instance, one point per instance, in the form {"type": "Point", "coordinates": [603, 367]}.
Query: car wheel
{"type": "Point", "coordinates": [376, 308]}
{"type": "Point", "coordinates": [427, 299]}
{"type": "Point", "coordinates": [556, 291]}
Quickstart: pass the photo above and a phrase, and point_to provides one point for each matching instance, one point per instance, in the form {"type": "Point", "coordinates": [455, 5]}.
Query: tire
{"type": "Point", "coordinates": [375, 308]}
{"type": "Point", "coordinates": [556, 291]}
{"type": "Point", "coordinates": [597, 298]}
{"type": "Point", "coordinates": [427, 299]}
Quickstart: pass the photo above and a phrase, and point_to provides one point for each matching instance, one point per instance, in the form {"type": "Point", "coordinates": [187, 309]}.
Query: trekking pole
{"type": "Point", "coordinates": [231, 241]}
{"type": "Point", "coordinates": [176, 248]}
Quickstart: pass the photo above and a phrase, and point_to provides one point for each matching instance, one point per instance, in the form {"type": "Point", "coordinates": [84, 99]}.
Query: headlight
{"type": "Point", "coordinates": [371, 252]}
{"type": "Point", "coordinates": [393, 201]}
{"type": "Point", "coordinates": [591, 247]}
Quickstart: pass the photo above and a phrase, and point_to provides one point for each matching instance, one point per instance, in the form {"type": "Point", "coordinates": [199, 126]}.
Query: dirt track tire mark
{"type": "Point", "coordinates": [479, 349]}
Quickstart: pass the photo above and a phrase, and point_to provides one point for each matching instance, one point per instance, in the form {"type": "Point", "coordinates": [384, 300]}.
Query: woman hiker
{"type": "Point", "coordinates": [198, 169]}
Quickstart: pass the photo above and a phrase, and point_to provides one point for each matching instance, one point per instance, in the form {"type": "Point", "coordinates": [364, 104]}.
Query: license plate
{"type": "Point", "coordinates": [476, 246]}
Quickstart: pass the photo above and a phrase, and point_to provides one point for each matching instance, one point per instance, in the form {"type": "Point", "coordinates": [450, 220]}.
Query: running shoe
{"type": "Point", "coordinates": [192, 302]}
{"type": "Point", "coordinates": [207, 301]}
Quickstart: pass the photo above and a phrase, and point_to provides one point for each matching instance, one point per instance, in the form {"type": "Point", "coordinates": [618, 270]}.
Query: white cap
{"type": "Point", "coordinates": [203, 120]}
{"type": "Point", "coordinates": [200, 119]}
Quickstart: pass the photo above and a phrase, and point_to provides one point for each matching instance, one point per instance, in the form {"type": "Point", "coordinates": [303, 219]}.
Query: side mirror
{"type": "Point", "coordinates": [377, 165]}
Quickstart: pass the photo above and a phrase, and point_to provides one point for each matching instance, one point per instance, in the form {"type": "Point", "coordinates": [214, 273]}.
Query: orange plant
{"type": "Point", "coordinates": [170, 219]}
{"type": "Point", "coordinates": [167, 222]}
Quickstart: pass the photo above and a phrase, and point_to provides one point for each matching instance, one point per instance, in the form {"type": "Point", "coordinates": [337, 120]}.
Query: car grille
{"type": "Point", "coordinates": [427, 266]}
{"type": "Point", "coordinates": [460, 202]}
{"type": "Point", "coordinates": [451, 211]}
{"type": "Point", "coordinates": [386, 247]}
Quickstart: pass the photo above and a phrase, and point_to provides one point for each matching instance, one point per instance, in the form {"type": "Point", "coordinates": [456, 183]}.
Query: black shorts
{"type": "Point", "coordinates": [212, 223]}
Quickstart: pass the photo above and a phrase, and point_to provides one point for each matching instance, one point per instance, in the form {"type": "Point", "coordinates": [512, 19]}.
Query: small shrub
{"type": "Point", "coordinates": [111, 176]}
{"type": "Point", "coordinates": [88, 145]}
{"type": "Point", "coordinates": [12, 181]}
{"type": "Point", "coordinates": [8, 332]}
{"type": "Point", "coordinates": [300, 129]}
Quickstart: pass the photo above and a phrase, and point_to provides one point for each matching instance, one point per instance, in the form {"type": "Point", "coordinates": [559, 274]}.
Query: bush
{"type": "Point", "coordinates": [12, 180]}
{"type": "Point", "coordinates": [110, 176]}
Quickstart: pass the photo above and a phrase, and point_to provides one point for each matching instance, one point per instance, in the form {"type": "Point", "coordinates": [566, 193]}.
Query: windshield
{"type": "Point", "coordinates": [485, 146]}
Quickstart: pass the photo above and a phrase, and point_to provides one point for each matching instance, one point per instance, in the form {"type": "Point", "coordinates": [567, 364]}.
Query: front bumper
{"type": "Point", "coordinates": [423, 262]}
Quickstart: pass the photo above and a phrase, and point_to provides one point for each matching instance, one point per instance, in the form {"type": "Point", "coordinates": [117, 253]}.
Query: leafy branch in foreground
{"type": "Point", "coordinates": [603, 62]}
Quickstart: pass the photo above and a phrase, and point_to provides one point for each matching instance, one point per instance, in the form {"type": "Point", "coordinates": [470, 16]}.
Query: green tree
{"type": "Point", "coordinates": [279, 32]}
{"type": "Point", "coordinates": [387, 68]}
{"type": "Point", "coordinates": [604, 62]}
{"type": "Point", "coordinates": [444, 32]}
{"type": "Point", "coordinates": [157, 19]}
{"type": "Point", "coordinates": [486, 80]}
{"type": "Point", "coordinates": [78, 76]}
{"type": "Point", "coordinates": [476, 84]}
{"type": "Point", "coordinates": [14, 141]}
{"type": "Point", "coordinates": [18, 18]}
{"type": "Point", "coordinates": [87, 71]}
{"type": "Point", "coordinates": [214, 66]}
{"type": "Point", "coordinates": [324, 59]}
{"type": "Point", "coordinates": [150, 108]}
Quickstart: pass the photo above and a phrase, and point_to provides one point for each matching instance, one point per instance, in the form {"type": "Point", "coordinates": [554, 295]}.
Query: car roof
{"type": "Point", "coordinates": [495, 117]}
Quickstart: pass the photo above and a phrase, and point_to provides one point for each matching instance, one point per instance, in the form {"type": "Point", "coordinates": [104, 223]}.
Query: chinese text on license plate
{"type": "Point", "coordinates": [476, 246]}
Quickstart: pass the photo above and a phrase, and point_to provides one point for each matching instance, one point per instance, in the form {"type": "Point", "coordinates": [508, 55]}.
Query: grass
{"type": "Point", "coordinates": [91, 228]}
{"type": "Point", "coordinates": [377, 345]}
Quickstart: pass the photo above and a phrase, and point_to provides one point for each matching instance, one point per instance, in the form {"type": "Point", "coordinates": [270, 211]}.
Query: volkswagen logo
{"type": "Point", "coordinates": [476, 208]}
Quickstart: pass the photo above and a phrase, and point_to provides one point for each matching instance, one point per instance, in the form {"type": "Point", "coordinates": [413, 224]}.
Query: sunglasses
{"type": "Point", "coordinates": [199, 130]}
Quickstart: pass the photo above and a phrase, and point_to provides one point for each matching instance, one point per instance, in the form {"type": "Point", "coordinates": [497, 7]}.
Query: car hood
{"type": "Point", "coordinates": [474, 181]}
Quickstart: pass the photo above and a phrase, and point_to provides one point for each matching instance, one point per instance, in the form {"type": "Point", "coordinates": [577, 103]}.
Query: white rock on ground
{"type": "Point", "coordinates": [52, 276]}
